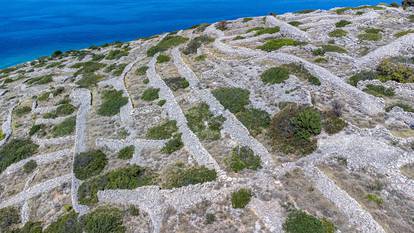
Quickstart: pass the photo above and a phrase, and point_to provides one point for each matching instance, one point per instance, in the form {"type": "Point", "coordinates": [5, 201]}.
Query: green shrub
{"type": "Point", "coordinates": [203, 123]}
{"type": "Point", "coordinates": [88, 164]}
{"type": "Point", "coordinates": [301, 72]}
{"type": "Point", "coordinates": [379, 90]}
{"type": "Point", "coordinates": [2, 135]}
{"type": "Point", "coordinates": [16, 150]}
{"type": "Point", "coordinates": [45, 79]}
{"type": "Point", "coordinates": [233, 99]}
{"type": "Point", "coordinates": [67, 223]}
{"type": "Point", "coordinates": [116, 69]}
{"type": "Point", "coordinates": [126, 152]}
{"type": "Point", "coordinates": [371, 34]}
{"type": "Point", "coordinates": [150, 94]}
{"type": "Point", "coordinates": [245, 20]}
{"type": "Point", "coordinates": [29, 227]}
{"type": "Point", "coordinates": [130, 177]}
{"type": "Point", "coordinates": [44, 96]}
{"type": "Point", "coordinates": [292, 129]}
{"type": "Point", "coordinates": [374, 198]}
{"type": "Point", "coordinates": [64, 128]}
{"type": "Point", "coordinates": [241, 198]}
{"type": "Point", "coordinates": [403, 33]}
{"type": "Point", "coordinates": [275, 44]}
{"type": "Point", "coordinates": [104, 219]}
{"type": "Point", "coordinates": [300, 222]}
{"type": "Point", "coordinates": [342, 23]}
{"type": "Point", "coordinates": [196, 43]}
{"type": "Point", "coordinates": [112, 102]}
{"type": "Point", "coordinates": [8, 217]}
{"type": "Point", "coordinates": [161, 103]}
{"type": "Point", "coordinates": [29, 166]}
{"type": "Point", "coordinates": [342, 10]}
{"type": "Point", "coordinates": [242, 157]}
{"type": "Point", "coordinates": [200, 58]}
{"type": "Point", "coordinates": [210, 218]}
{"type": "Point", "coordinates": [116, 54]}
{"type": "Point", "coordinates": [404, 106]}
{"type": "Point", "coordinates": [255, 120]}
{"type": "Point", "coordinates": [141, 70]}
{"type": "Point", "coordinates": [363, 75]}
{"type": "Point", "coordinates": [401, 73]}
{"type": "Point", "coordinates": [295, 23]}
{"type": "Point", "coordinates": [21, 111]}
{"type": "Point", "coordinates": [163, 131]}
{"type": "Point", "coordinates": [332, 123]}
{"type": "Point", "coordinates": [306, 11]}
{"type": "Point", "coordinates": [179, 175]}
{"type": "Point", "coordinates": [88, 67]}
{"type": "Point", "coordinates": [89, 80]}
{"type": "Point", "coordinates": [133, 211]}
{"type": "Point", "coordinates": [329, 48]}
{"type": "Point", "coordinates": [275, 75]}
{"type": "Point", "coordinates": [338, 33]}
{"type": "Point", "coordinates": [145, 81]}
{"type": "Point", "coordinates": [173, 145]}
{"type": "Point", "coordinates": [61, 110]}
{"type": "Point", "coordinates": [162, 58]}
{"type": "Point", "coordinates": [37, 128]}
{"type": "Point", "coordinates": [270, 30]}
{"type": "Point", "coordinates": [177, 83]}
{"type": "Point", "coordinates": [165, 44]}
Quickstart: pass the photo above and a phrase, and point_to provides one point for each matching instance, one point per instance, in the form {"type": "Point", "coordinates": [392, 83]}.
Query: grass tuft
{"type": "Point", "coordinates": [112, 101]}
{"type": "Point", "coordinates": [241, 198]}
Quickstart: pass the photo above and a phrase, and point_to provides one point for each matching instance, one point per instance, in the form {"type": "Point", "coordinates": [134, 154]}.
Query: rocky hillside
{"type": "Point", "coordinates": [302, 122]}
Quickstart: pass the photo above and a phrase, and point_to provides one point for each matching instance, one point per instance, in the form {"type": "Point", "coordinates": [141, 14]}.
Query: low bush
{"type": "Point", "coordinates": [116, 54]}
{"type": "Point", "coordinates": [9, 216]}
{"type": "Point", "coordinates": [295, 23]}
{"type": "Point", "coordinates": [306, 11]}
{"type": "Point", "coordinates": [270, 30]}
{"type": "Point", "coordinates": [196, 43]}
{"type": "Point", "coordinates": [275, 44]}
{"type": "Point", "coordinates": [141, 70]}
{"type": "Point", "coordinates": [275, 75]}
{"type": "Point", "coordinates": [112, 102]}
{"type": "Point", "coordinates": [29, 166]}
{"type": "Point", "coordinates": [126, 152]}
{"type": "Point", "coordinates": [342, 23]}
{"type": "Point", "coordinates": [343, 10]}
{"type": "Point", "coordinates": [116, 69]}
{"type": "Point", "coordinates": [301, 72]}
{"type": "Point", "coordinates": [203, 123]}
{"type": "Point", "coordinates": [104, 219]}
{"type": "Point", "coordinates": [173, 145]}
{"type": "Point", "coordinates": [89, 80]}
{"type": "Point", "coordinates": [64, 128]}
{"type": "Point", "coordinates": [67, 223]}
{"type": "Point", "coordinates": [29, 227]}
{"type": "Point", "coordinates": [16, 150]}
{"type": "Point", "coordinates": [241, 198]}
{"type": "Point", "coordinates": [165, 44]}
{"type": "Point", "coordinates": [43, 97]}
{"type": "Point", "coordinates": [242, 157]}
{"type": "Point", "coordinates": [88, 164]}
{"type": "Point", "coordinates": [21, 111]}
{"type": "Point", "coordinates": [202, 57]}
{"type": "Point", "coordinates": [45, 79]}
{"type": "Point", "coordinates": [255, 120]}
{"type": "Point", "coordinates": [163, 131]}
{"type": "Point", "coordinates": [403, 33]}
{"type": "Point", "coordinates": [162, 58]}
{"type": "Point", "coordinates": [363, 75]}
{"type": "Point", "coordinates": [328, 48]}
{"type": "Point", "coordinates": [401, 73]}
{"type": "Point", "coordinates": [161, 103]}
{"type": "Point", "coordinates": [177, 83]}
{"type": "Point", "coordinates": [2, 135]}
{"type": "Point", "coordinates": [210, 218]}
{"type": "Point", "coordinates": [61, 110]}
{"type": "Point", "coordinates": [233, 99]}
{"type": "Point", "coordinates": [245, 20]}
{"type": "Point", "coordinates": [338, 33]}
{"type": "Point", "coordinates": [130, 177]}
{"type": "Point", "coordinates": [179, 175]}
{"type": "Point", "coordinates": [37, 129]}
{"type": "Point", "coordinates": [150, 94]}
{"type": "Point", "coordinates": [379, 90]}
{"type": "Point", "coordinates": [375, 198]}
{"type": "Point", "coordinates": [88, 67]}
{"type": "Point", "coordinates": [333, 124]}
{"type": "Point", "coordinates": [371, 34]}
{"type": "Point", "coordinates": [300, 222]}
{"type": "Point", "coordinates": [404, 106]}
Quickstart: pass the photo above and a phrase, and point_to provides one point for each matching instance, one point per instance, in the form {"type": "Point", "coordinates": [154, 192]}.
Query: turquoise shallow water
{"type": "Point", "coordinates": [33, 28]}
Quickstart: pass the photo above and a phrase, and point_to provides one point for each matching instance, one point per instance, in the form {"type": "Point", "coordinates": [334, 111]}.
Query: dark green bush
{"type": "Point", "coordinates": [56, 54]}
{"type": "Point", "coordinates": [328, 48]}
{"type": "Point", "coordinates": [150, 94]}
{"type": "Point", "coordinates": [29, 166]}
{"type": "Point", "coordinates": [177, 83]}
{"type": "Point", "coordinates": [165, 44]}
{"type": "Point", "coordinates": [37, 128]}
{"type": "Point", "coordinates": [64, 128]}
{"type": "Point", "coordinates": [88, 67]}
{"type": "Point", "coordinates": [210, 218]}
{"type": "Point", "coordinates": [401, 73]}
{"type": "Point", "coordinates": [371, 34]}
{"type": "Point", "coordinates": [21, 111]}
{"type": "Point", "coordinates": [241, 198]}
{"type": "Point", "coordinates": [404, 106]}
{"type": "Point", "coordinates": [104, 220]}
{"type": "Point", "coordinates": [247, 19]}
{"type": "Point", "coordinates": [89, 80]}
{"type": "Point", "coordinates": [379, 90]}
{"type": "Point", "coordinates": [141, 70]}
{"type": "Point", "coordinates": [255, 120]}
{"type": "Point", "coordinates": [61, 110]}
{"type": "Point", "coordinates": [300, 222]}
{"type": "Point", "coordinates": [16, 150]}
{"type": "Point", "coordinates": [342, 23]}
{"type": "Point", "coordinates": [29, 227]}
{"type": "Point", "coordinates": [267, 31]}
{"type": "Point", "coordinates": [295, 23]}
{"type": "Point", "coordinates": [301, 72]}
{"type": "Point", "coordinates": [126, 153]}
{"type": "Point", "coordinates": [116, 69]}
{"type": "Point", "coordinates": [196, 43]}
{"type": "Point", "coordinates": [88, 164]}
{"type": "Point", "coordinates": [112, 102]}
{"type": "Point", "coordinates": [332, 123]}
{"type": "Point", "coordinates": [179, 175]}
{"type": "Point", "coordinates": [203, 123]}
{"type": "Point", "coordinates": [173, 145]}
{"type": "Point", "coordinates": [9, 216]}
{"type": "Point", "coordinates": [161, 102]}
{"type": "Point", "coordinates": [116, 54]}
{"type": "Point", "coordinates": [162, 58]}
{"type": "Point", "coordinates": [338, 33]}
{"type": "Point", "coordinates": [163, 131]}
{"type": "Point", "coordinates": [403, 33]}
{"type": "Point", "coordinates": [307, 123]}
{"type": "Point", "coordinates": [363, 75]}
{"type": "Point", "coordinates": [40, 80]}
{"type": "Point", "coordinates": [275, 44]}
{"type": "Point", "coordinates": [275, 75]}
{"type": "Point", "coordinates": [306, 11]}
{"type": "Point", "coordinates": [233, 99]}
{"type": "Point", "coordinates": [130, 177]}
{"type": "Point", "coordinates": [242, 157]}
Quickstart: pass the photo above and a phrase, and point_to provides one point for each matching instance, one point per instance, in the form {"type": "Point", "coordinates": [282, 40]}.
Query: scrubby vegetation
{"type": "Point", "coordinates": [172, 145]}
{"type": "Point", "coordinates": [222, 26]}
{"type": "Point", "coordinates": [104, 219]}
{"type": "Point", "coordinates": [242, 157]}
{"type": "Point", "coordinates": [343, 10]}
{"type": "Point", "coordinates": [8, 217]}
{"type": "Point", "coordinates": [241, 198]}
{"type": "Point", "coordinates": [150, 94]}
{"type": "Point", "coordinates": [23, 110]}
{"type": "Point", "coordinates": [61, 110]}
{"type": "Point", "coordinates": [342, 23]}
{"type": "Point", "coordinates": [29, 166]}
{"type": "Point", "coordinates": [162, 58]}
{"type": "Point", "coordinates": [64, 128]}
{"type": "Point", "coordinates": [112, 102]}
{"type": "Point", "coordinates": [16, 150]}
{"type": "Point", "coordinates": [88, 164]}
{"type": "Point", "coordinates": [255, 120]}
{"type": "Point", "coordinates": [203, 123]}
{"type": "Point", "coordinates": [375, 198]}
{"type": "Point", "coordinates": [262, 31]}
{"type": "Point", "coordinates": [29, 227]}
{"type": "Point", "coordinates": [295, 23]}
{"type": "Point", "coordinates": [338, 33]}
{"type": "Point", "coordinates": [379, 90]}
{"type": "Point", "coordinates": [333, 123]}
{"type": "Point", "coordinates": [275, 44]}
{"type": "Point", "coordinates": [299, 221]}
{"type": "Point", "coordinates": [45, 79]}
{"type": "Point", "coordinates": [163, 131]}
{"type": "Point", "coordinates": [179, 175]}
{"type": "Point", "coordinates": [301, 72]}
{"type": "Point", "coordinates": [177, 83]}
{"type": "Point", "coordinates": [403, 33]}
{"type": "Point", "coordinates": [401, 73]}
{"type": "Point", "coordinates": [116, 54]}
{"type": "Point", "coordinates": [275, 75]}
{"type": "Point", "coordinates": [363, 75]}
{"type": "Point", "coordinates": [371, 34]}
{"type": "Point", "coordinates": [89, 80]}
{"type": "Point", "coordinates": [328, 48]}
{"type": "Point", "coordinates": [2, 135]}
{"type": "Point", "coordinates": [196, 43]}
{"type": "Point", "coordinates": [141, 70]}
{"type": "Point", "coordinates": [406, 107]}
{"type": "Point", "coordinates": [122, 178]}
{"type": "Point", "coordinates": [126, 152]}
{"type": "Point", "coordinates": [116, 69]}
{"type": "Point", "coordinates": [233, 99]}
{"type": "Point", "coordinates": [67, 223]}
{"type": "Point", "coordinates": [165, 44]}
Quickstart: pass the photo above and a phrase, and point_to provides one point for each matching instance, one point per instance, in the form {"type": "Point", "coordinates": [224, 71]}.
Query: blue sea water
{"type": "Point", "coordinates": [34, 28]}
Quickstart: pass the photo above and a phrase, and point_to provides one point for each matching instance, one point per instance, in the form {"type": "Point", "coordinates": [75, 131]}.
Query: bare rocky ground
{"type": "Point", "coordinates": [358, 178]}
